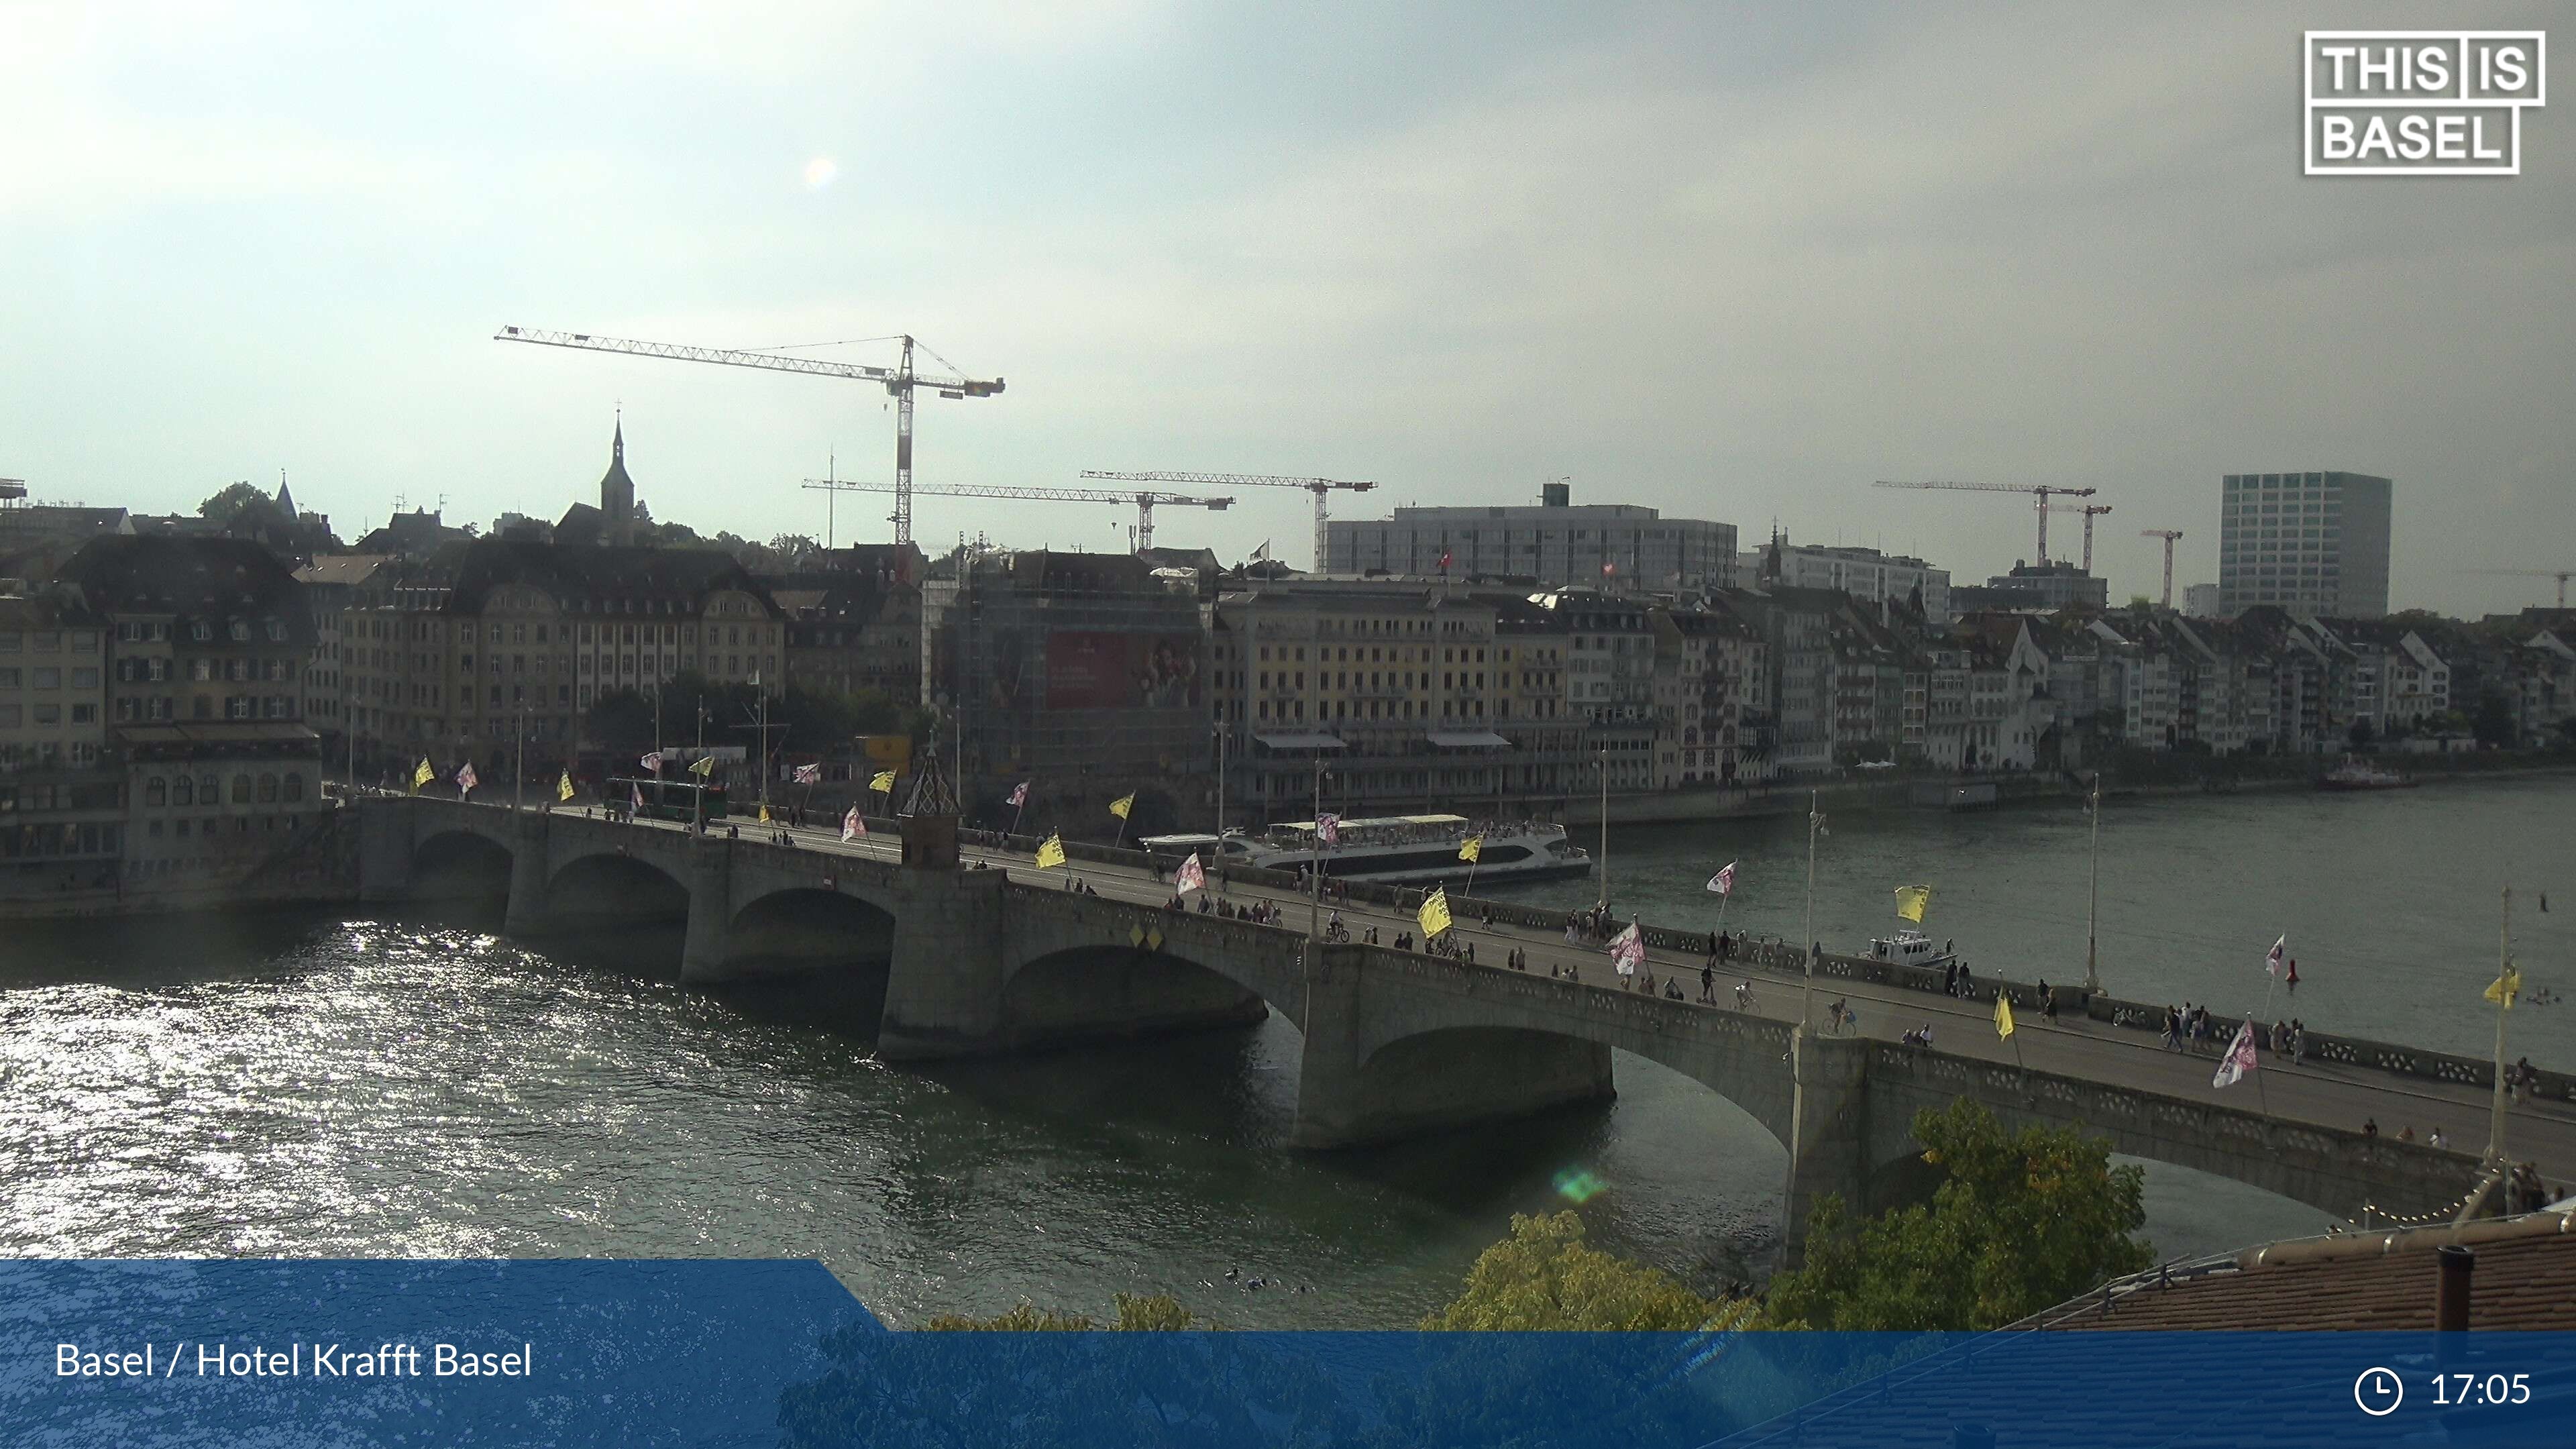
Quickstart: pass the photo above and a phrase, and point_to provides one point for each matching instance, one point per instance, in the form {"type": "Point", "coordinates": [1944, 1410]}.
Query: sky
{"type": "Point", "coordinates": [1732, 261]}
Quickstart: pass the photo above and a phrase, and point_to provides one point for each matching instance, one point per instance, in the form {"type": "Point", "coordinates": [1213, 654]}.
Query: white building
{"type": "Point", "coordinates": [1863, 573]}
{"type": "Point", "coordinates": [1606, 545]}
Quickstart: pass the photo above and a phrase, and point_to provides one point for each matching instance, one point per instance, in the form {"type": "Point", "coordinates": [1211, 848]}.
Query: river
{"type": "Point", "coordinates": [331, 1083]}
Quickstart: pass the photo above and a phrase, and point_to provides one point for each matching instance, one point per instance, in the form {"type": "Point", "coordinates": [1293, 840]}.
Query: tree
{"type": "Point", "coordinates": [621, 720]}
{"type": "Point", "coordinates": [2019, 1223]}
{"type": "Point", "coordinates": [2494, 724]}
{"type": "Point", "coordinates": [239, 508]}
{"type": "Point", "coordinates": [1543, 1277]}
{"type": "Point", "coordinates": [2361, 734]}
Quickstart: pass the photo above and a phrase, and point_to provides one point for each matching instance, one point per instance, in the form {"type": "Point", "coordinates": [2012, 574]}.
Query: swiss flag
{"type": "Point", "coordinates": [1444, 560]}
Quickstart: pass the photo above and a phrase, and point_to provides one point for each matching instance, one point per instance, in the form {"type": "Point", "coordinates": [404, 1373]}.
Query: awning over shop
{"type": "Point", "coordinates": [1468, 739]}
{"type": "Point", "coordinates": [1301, 741]}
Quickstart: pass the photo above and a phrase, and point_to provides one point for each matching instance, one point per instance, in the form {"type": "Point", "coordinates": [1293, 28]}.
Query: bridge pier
{"type": "Point", "coordinates": [710, 885]}
{"type": "Point", "coordinates": [944, 985]}
{"type": "Point", "coordinates": [1829, 1132]}
{"type": "Point", "coordinates": [530, 871]}
{"type": "Point", "coordinates": [1349, 1095]}
{"type": "Point", "coordinates": [384, 854]}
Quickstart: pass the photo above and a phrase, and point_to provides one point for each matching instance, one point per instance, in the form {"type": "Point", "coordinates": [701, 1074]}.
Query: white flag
{"type": "Point", "coordinates": [1628, 950]}
{"type": "Point", "coordinates": [1328, 829]}
{"type": "Point", "coordinates": [1192, 876]}
{"type": "Point", "coordinates": [809, 774]}
{"type": "Point", "coordinates": [465, 781]}
{"type": "Point", "coordinates": [1723, 883]}
{"type": "Point", "coordinates": [652, 762]}
{"type": "Point", "coordinates": [2239, 1059]}
{"type": "Point", "coordinates": [2272, 962]}
{"type": "Point", "coordinates": [851, 824]}
{"type": "Point", "coordinates": [1262, 554]}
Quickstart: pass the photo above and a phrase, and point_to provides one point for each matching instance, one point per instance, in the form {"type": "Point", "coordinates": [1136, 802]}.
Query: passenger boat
{"type": "Point", "coordinates": [1910, 947]}
{"type": "Point", "coordinates": [1414, 850]}
{"type": "Point", "coordinates": [2354, 774]}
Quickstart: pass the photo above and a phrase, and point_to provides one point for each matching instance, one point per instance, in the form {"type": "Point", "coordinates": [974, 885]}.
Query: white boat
{"type": "Point", "coordinates": [1414, 850]}
{"type": "Point", "coordinates": [1909, 948]}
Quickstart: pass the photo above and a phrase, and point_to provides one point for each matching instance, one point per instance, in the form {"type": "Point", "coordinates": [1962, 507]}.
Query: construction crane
{"type": "Point", "coordinates": [1320, 487]}
{"type": "Point", "coordinates": [2168, 535]}
{"type": "Point", "coordinates": [2090, 511]}
{"type": "Point", "coordinates": [899, 381]}
{"type": "Point", "coordinates": [2561, 575]}
{"type": "Point", "coordinates": [1145, 503]}
{"type": "Point", "coordinates": [2043, 492]}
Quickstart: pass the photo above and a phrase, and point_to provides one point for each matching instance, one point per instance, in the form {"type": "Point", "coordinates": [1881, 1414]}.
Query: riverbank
{"type": "Point", "coordinates": [2151, 777]}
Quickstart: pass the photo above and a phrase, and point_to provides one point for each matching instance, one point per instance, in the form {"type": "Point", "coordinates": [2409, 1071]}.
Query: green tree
{"type": "Point", "coordinates": [1544, 1277]}
{"type": "Point", "coordinates": [239, 508]}
{"type": "Point", "coordinates": [2019, 1223]}
{"type": "Point", "coordinates": [2494, 724]}
{"type": "Point", "coordinates": [621, 720]}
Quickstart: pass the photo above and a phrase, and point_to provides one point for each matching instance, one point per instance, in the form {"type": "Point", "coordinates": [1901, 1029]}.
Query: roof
{"type": "Point", "coordinates": [470, 571]}
{"type": "Point", "coordinates": [342, 568]}
{"type": "Point", "coordinates": [216, 579]}
{"type": "Point", "coordinates": [2525, 1279]}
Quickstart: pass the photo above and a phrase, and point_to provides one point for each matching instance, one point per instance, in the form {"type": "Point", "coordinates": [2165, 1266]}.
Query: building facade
{"type": "Point", "coordinates": [2310, 543]}
{"type": "Point", "coordinates": [1555, 544]}
{"type": "Point", "coordinates": [1864, 573]}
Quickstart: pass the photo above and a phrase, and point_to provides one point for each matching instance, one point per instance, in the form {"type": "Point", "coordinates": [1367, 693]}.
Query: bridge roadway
{"type": "Point", "coordinates": [2293, 1130]}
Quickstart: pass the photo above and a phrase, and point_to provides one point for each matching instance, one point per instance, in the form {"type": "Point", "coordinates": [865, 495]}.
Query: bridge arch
{"type": "Point", "coordinates": [1089, 991]}
{"type": "Point", "coordinates": [801, 928]}
{"type": "Point", "coordinates": [460, 865]}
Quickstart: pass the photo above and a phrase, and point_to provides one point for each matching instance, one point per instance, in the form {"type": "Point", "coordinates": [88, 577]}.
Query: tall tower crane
{"type": "Point", "coordinates": [2043, 492]}
{"type": "Point", "coordinates": [1320, 487]}
{"type": "Point", "coordinates": [2168, 535]}
{"type": "Point", "coordinates": [1145, 502]}
{"type": "Point", "coordinates": [2090, 511]}
{"type": "Point", "coordinates": [2561, 575]}
{"type": "Point", "coordinates": [899, 382]}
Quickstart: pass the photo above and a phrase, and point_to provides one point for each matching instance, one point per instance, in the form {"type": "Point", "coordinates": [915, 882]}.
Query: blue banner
{"type": "Point", "coordinates": [779, 1353]}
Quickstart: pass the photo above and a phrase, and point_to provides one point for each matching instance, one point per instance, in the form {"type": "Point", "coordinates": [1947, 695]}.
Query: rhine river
{"type": "Point", "coordinates": [322, 1084]}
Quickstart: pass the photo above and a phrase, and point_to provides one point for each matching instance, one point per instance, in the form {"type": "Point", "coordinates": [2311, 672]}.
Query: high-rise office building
{"type": "Point", "coordinates": [2312, 543]}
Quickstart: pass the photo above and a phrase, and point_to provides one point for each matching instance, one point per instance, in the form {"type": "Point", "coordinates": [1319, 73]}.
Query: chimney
{"type": "Point", "coordinates": [2452, 1266]}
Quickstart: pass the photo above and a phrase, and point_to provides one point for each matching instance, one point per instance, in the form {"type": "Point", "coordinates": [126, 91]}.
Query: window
{"type": "Point", "coordinates": [239, 631]}
{"type": "Point", "coordinates": [49, 714]}
{"type": "Point", "coordinates": [210, 791]}
{"type": "Point", "coordinates": [156, 792]}
{"type": "Point", "coordinates": [49, 679]}
{"type": "Point", "coordinates": [9, 679]}
{"type": "Point", "coordinates": [277, 631]}
{"type": "Point", "coordinates": [241, 789]}
{"type": "Point", "coordinates": [84, 714]}
{"type": "Point", "coordinates": [183, 791]}
{"type": "Point", "coordinates": [268, 789]}
{"type": "Point", "coordinates": [294, 787]}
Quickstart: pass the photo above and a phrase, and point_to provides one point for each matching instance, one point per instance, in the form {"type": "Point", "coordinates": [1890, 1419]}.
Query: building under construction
{"type": "Point", "coordinates": [1085, 674]}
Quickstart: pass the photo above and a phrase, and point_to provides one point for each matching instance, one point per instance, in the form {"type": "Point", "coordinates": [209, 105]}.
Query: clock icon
{"type": "Point", "coordinates": [2378, 1391]}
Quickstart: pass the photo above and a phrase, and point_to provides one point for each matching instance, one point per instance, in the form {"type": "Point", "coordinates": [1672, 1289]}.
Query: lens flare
{"type": "Point", "coordinates": [819, 172]}
{"type": "Point", "coordinates": [1578, 1186]}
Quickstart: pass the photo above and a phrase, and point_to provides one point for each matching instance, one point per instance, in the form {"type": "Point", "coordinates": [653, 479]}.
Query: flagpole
{"type": "Point", "coordinates": [2093, 913]}
{"type": "Point", "coordinates": [2504, 1001]}
{"type": "Point", "coordinates": [1807, 1005]}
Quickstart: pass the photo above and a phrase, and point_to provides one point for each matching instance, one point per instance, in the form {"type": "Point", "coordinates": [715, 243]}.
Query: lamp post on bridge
{"type": "Point", "coordinates": [2093, 913]}
{"type": "Point", "coordinates": [1315, 868]}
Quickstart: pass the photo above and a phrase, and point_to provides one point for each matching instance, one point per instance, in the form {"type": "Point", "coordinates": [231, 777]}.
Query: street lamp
{"type": "Point", "coordinates": [1603, 765]}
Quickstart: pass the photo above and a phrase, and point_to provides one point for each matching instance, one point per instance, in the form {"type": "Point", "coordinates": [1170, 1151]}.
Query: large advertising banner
{"type": "Point", "coordinates": [1087, 670]}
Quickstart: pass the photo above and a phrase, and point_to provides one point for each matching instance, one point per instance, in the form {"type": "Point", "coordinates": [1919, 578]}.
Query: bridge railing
{"type": "Point", "coordinates": [1785, 958]}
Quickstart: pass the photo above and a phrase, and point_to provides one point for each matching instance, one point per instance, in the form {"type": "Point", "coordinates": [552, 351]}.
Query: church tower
{"type": "Point", "coordinates": [617, 493]}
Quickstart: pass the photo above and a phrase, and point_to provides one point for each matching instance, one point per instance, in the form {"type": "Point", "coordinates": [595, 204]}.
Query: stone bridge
{"type": "Point", "coordinates": [1395, 1044]}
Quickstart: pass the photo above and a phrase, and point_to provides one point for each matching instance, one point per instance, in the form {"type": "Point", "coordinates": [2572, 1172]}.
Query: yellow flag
{"type": "Point", "coordinates": [2003, 1015]}
{"type": "Point", "coordinates": [764, 812]}
{"type": "Point", "coordinates": [1472, 848]}
{"type": "Point", "coordinates": [883, 784]}
{"type": "Point", "coordinates": [1124, 803]}
{"type": "Point", "coordinates": [2506, 987]}
{"type": "Point", "coordinates": [563, 787]}
{"type": "Point", "coordinates": [1435, 914]}
{"type": "Point", "coordinates": [704, 767]}
{"type": "Point", "coordinates": [1910, 901]}
{"type": "Point", "coordinates": [1051, 854]}
{"type": "Point", "coordinates": [423, 775]}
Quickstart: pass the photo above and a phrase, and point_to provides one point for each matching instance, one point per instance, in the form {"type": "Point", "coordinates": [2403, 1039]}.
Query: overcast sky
{"type": "Point", "coordinates": [1732, 261]}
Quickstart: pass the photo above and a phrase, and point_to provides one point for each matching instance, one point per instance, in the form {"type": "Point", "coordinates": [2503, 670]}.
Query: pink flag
{"type": "Point", "coordinates": [1724, 881]}
{"type": "Point", "coordinates": [809, 774]}
{"type": "Point", "coordinates": [2239, 1059]}
{"type": "Point", "coordinates": [635, 794]}
{"type": "Point", "coordinates": [1328, 829]}
{"type": "Point", "coordinates": [1628, 950]}
{"type": "Point", "coordinates": [2272, 962]}
{"type": "Point", "coordinates": [1192, 876]}
{"type": "Point", "coordinates": [851, 824]}
{"type": "Point", "coordinates": [1020, 793]}
{"type": "Point", "coordinates": [652, 762]}
{"type": "Point", "coordinates": [465, 778]}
